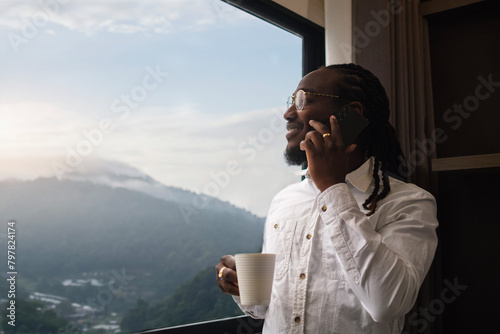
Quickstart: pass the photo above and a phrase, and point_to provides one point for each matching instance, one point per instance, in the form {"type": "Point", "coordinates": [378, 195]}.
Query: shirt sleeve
{"type": "Point", "coordinates": [255, 311]}
{"type": "Point", "coordinates": [385, 258]}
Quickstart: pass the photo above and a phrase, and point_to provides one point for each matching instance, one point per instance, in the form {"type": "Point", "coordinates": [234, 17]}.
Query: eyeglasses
{"type": "Point", "coordinates": [299, 99]}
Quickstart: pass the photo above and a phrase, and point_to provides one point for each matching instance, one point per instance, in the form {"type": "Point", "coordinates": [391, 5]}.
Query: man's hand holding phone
{"type": "Point", "coordinates": [329, 160]}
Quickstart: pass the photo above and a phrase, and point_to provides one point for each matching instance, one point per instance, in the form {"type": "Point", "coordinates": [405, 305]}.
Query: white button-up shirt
{"type": "Point", "coordinates": [339, 271]}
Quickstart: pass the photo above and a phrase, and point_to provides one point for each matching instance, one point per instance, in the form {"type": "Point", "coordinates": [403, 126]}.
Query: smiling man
{"type": "Point", "coordinates": [353, 241]}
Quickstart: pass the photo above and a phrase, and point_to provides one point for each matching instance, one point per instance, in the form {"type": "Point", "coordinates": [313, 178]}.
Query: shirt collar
{"type": "Point", "coordinates": [303, 172]}
{"type": "Point", "coordinates": [360, 178]}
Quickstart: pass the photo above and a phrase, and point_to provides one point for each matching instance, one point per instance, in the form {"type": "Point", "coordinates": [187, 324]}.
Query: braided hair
{"type": "Point", "coordinates": [379, 137]}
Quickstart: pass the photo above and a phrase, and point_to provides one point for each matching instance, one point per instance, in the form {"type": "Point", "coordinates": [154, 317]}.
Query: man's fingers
{"type": "Point", "coordinates": [318, 126]}
{"type": "Point", "coordinates": [229, 275]}
{"type": "Point", "coordinates": [336, 134]}
{"type": "Point", "coordinates": [228, 261]}
{"type": "Point", "coordinates": [229, 288]}
{"type": "Point", "coordinates": [306, 145]}
{"type": "Point", "coordinates": [350, 149]}
{"type": "Point", "coordinates": [226, 275]}
{"type": "Point", "coordinates": [227, 268]}
{"type": "Point", "coordinates": [312, 141]}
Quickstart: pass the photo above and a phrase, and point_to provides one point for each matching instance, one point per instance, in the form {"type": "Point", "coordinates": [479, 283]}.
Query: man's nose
{"type": "Point", "coordinates": [291, 113]}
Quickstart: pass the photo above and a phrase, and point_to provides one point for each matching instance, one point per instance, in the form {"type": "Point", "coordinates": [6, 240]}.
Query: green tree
{"type": "Point", "coordinates": [197, 300]}
{"type": "Point", "coordinates": [136, 318]}
{"type": "Point", "coordinates": [64, 308]}
{"type": "Point", "coordinates": [31, 318]}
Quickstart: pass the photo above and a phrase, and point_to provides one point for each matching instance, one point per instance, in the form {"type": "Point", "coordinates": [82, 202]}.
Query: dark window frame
{"type": "Point", "coordinates": [313, 35]}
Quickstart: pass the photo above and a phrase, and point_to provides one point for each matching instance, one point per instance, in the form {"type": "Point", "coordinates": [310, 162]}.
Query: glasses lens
{"type": "Point", "coordinates": [290, 101]}
{"type": "Point", "coordinates": [300, 99]}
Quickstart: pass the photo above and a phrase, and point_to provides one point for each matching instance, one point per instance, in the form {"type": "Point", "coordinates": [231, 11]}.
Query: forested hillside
{"type": "Point", "coordinates": [78, 239]}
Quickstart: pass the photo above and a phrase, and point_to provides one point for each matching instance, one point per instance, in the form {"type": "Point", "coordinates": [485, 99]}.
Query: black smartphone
{"type": "Point", "coordinates": [351, 124]}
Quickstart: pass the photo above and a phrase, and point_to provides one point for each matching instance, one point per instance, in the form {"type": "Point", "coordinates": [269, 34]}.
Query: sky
{"type": "Point", "coordinates": [189, 92]}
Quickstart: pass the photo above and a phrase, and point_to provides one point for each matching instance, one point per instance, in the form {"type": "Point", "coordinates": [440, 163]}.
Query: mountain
{"type": "Point", "coordinates": [119, 175]}
{"type": "Point", "coordinates": [197, 300]}
{"type": "Point", "coordinates": [69, 230]}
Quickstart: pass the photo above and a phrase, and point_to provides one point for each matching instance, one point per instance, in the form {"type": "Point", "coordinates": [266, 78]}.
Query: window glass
{"type": "Point", "coordinates": [140, 141]}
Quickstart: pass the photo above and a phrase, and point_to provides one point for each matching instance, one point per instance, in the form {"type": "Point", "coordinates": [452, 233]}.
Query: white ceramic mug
{"type": "Point", "coordinates": [255, 277]}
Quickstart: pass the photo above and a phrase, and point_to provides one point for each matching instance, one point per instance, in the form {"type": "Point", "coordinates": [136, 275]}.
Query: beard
{"type": "Point", "coordinates": [295, 156]}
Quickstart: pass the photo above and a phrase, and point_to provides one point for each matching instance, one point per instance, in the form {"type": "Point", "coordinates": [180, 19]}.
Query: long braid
{"type": "Point", "coordinates": [379, 138]}
{"type": "Point", "coordinates": [372, 199]}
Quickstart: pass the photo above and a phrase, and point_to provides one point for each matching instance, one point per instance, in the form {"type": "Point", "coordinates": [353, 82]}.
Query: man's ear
{"type": "Point", "coordinates": [357, 107]}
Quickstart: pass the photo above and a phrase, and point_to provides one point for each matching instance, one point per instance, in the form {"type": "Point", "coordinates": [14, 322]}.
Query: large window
{"type": "Point", "coordinates": [141, 140]}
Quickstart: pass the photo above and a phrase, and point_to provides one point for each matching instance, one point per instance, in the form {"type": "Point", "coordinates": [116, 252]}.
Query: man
{"type": "Point", "coordinates": [353, 242]}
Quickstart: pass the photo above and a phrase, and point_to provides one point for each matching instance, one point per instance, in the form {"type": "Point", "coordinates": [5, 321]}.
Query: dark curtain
{"type": "Point", "coordinates": [399, 55]}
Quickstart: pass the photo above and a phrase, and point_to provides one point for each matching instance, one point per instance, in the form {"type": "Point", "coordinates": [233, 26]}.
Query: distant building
{"type": "Point", "coordinates": [114, 328]}
{"type": "Point", "coordinates": [44, 297]}
{"type": "Point", "coordinates": [82, 282]}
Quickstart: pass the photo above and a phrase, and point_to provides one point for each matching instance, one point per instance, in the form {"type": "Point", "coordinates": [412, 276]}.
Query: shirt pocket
{"type": "Point", "coordinates": [331, 265]}
{"type": "Point", "coordinates": [279, 238]}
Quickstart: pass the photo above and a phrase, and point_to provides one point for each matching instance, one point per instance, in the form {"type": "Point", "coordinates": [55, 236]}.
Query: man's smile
{"type": "Point", "coordinates": [293, 129]}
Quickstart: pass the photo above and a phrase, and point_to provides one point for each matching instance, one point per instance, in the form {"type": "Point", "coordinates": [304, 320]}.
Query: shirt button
{"type": "Point", "coordinates": [297, 319]}
{"type": "Point", "coordinates": [275, 225]}
{"type": "Point", "coordinates": [309, 236]}
{"type": "Point", "coordinates": [302, 276]}
{"type": "Point", "coordinates": [323, 208]}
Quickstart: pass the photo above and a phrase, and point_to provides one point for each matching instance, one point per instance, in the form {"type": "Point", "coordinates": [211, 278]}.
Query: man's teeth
{"type": "Point", "coordinates": [293, 129]}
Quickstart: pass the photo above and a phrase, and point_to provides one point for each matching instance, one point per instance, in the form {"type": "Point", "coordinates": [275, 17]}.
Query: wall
{"type": "Point", "coordinates": [313, 10]}
{"type": "Point", "coordinates": [336, 17]}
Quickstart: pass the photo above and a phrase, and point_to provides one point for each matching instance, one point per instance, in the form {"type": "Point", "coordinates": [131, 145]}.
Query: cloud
{"type": "Point", "coordinates": [181, 146]}
{"type": "Point", "coordinates": [28, 126]}
{"type": "Point", "coordinates": [184, 147]}
{"type": "Point", "coordinates": [121, 16]}
{"type": "Point", "coordinates": [183, 130]}
{"type": "Point", "coordinates": [188, 129]}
